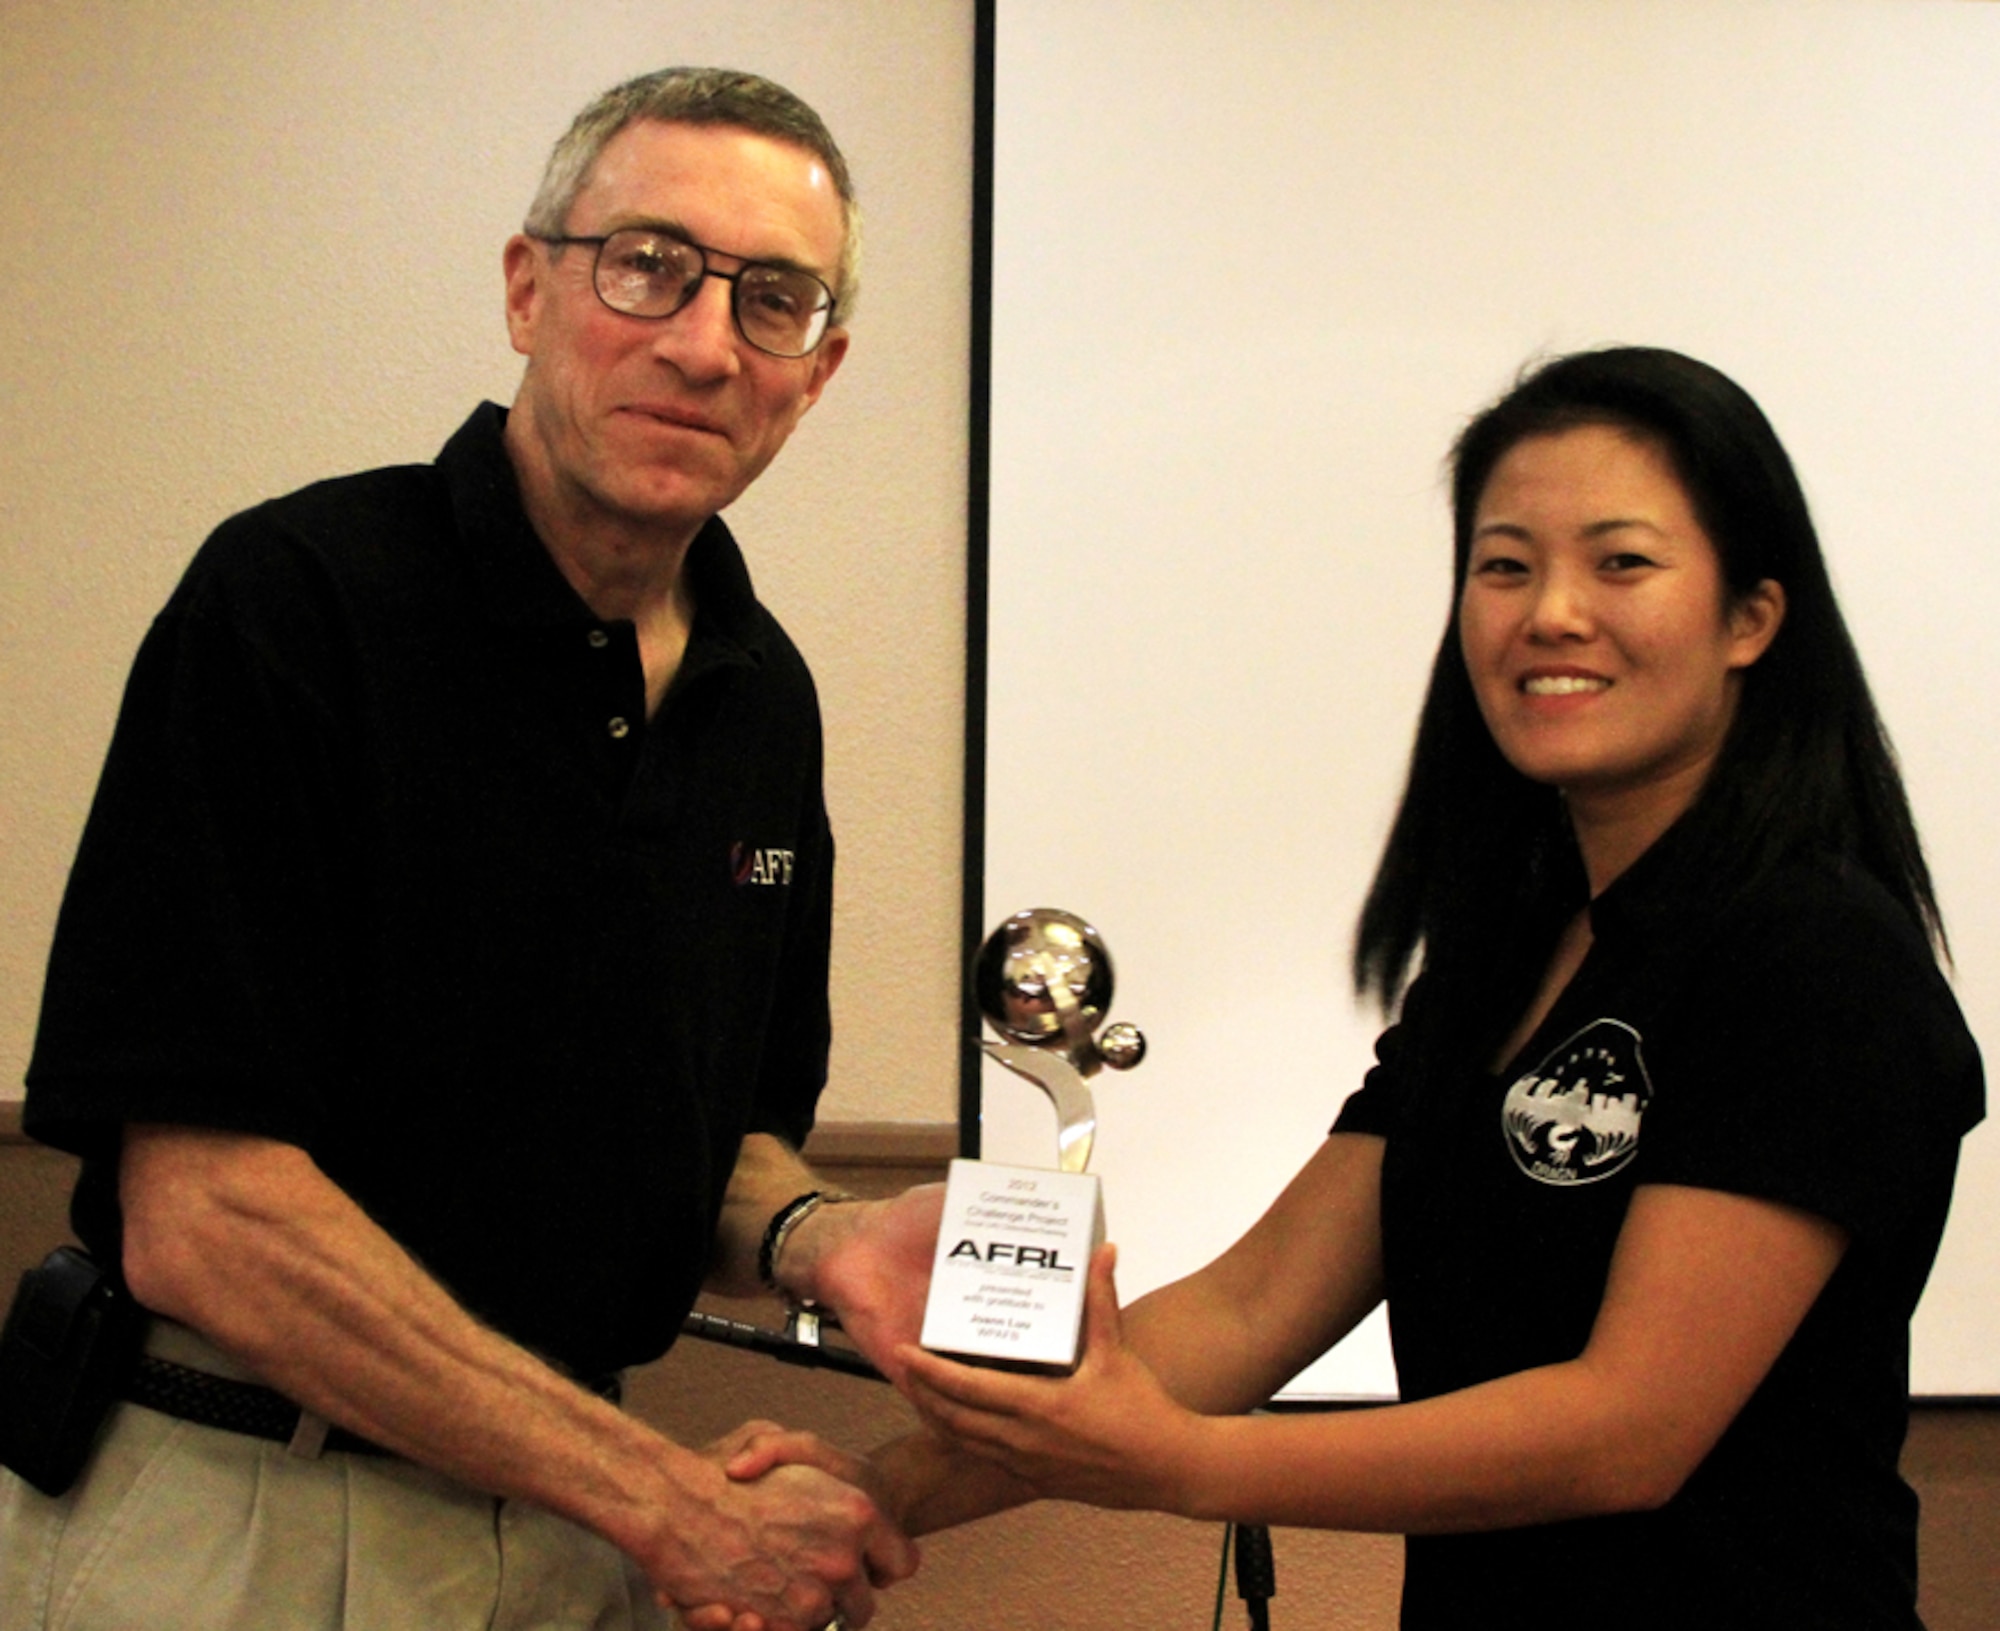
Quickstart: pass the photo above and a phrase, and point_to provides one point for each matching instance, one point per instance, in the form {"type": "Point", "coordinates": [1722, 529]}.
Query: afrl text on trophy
{"type": "Point", "coordinates": [1013, 1254]}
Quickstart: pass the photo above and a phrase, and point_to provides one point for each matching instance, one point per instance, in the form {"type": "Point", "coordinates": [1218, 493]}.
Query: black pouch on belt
{"type": "Point", "coordinates": [70, 1342]}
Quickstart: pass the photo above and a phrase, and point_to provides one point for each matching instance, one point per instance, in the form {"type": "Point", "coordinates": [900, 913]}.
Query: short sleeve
{"type": "Point", "coordinates": [194, 976]}
{"type": "Point", "coordinates": [800, 1033]}
{"type": "Point", "coordinates": [1374, 1106]}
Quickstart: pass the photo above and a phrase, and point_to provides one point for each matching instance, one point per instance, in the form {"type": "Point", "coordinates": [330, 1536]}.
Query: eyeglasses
{"type": "Point", "coordinates": [643, 272]}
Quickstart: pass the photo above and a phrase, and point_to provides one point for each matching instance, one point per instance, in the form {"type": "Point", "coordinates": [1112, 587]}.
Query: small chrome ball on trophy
{"type": "Point", "coordinates": [1007, 1285]}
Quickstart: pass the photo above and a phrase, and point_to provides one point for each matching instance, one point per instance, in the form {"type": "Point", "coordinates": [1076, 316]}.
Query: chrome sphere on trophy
{"type": "Point", "coordinates": [1043, 980]}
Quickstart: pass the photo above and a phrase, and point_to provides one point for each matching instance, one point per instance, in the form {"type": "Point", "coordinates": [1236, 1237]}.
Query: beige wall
{"type": "Point", "coordinates": [250, 243]}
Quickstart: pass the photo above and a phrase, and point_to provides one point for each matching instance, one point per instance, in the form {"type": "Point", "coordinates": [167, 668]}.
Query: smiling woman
{"type": "Point", "coordinates": [1654, 1162]}
{"type": "Point", "coordinates": [1602, 645]}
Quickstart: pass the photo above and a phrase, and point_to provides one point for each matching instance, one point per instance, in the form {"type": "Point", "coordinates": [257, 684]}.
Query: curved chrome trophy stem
{"type": "Point", "coordinates": [1015, 1242]}
{"type": "Point", "coordinates": [1076, 1112]}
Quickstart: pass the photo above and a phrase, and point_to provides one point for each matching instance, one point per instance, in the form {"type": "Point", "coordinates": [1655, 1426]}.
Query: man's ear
{"type": "Point", "coordinates": [826, 362]}
{"type": "Point", "coordinates": [524, 265]}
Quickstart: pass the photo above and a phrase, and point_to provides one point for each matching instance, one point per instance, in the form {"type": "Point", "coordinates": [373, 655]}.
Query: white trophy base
{"type": "Point", "coordinates": [1013, 1257]}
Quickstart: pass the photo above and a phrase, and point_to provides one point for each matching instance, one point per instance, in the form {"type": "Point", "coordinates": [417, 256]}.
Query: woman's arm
{"type": "Point", "coordinates": [1223, 1339]}
{"type": "Point", "coordinates": [1705, 1290]}
{"type": "Point", "coordinates": [1307, 1272]}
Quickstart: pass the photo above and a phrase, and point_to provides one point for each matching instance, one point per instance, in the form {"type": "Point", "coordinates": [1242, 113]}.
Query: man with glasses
{"type": "Point", "coordinates": [440, 996]}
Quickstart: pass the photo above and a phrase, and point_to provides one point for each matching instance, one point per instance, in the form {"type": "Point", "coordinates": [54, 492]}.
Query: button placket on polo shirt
{"type": "Point", "coordinates": [620, 694]}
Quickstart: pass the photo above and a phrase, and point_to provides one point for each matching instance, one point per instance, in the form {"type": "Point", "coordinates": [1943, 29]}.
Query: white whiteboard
{"type": "Point", "coordinates": [1253, 267]}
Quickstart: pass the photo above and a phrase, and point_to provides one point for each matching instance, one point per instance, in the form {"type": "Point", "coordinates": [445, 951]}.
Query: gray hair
{"type": "Point", "coordinates": [698, 96]}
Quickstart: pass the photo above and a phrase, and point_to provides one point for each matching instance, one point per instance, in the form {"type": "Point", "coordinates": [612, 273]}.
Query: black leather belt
{"type": "Point", "coordinates": [236, 1407]}
{"type": "Point", "coordinates": [247, 1407]}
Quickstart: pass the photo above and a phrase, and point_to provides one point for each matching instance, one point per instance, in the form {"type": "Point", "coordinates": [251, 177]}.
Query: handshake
{"type": "Point", "coordinates": [768, 1529]}
{"type": "Point", "coordinates": [805, 1535]}
{"type": "Point", "coordinates": [781, 1531]}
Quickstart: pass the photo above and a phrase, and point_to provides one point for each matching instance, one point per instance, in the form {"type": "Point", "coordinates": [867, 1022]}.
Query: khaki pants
{"type": "Point", "coordinates": [175, 1527]}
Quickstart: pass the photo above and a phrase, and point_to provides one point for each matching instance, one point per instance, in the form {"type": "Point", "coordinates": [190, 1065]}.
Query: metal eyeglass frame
{"type": "Point", "coordinates": [596, 245]}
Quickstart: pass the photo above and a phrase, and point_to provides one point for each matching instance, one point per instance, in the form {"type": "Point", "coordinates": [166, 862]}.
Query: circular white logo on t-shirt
{"type": "Point", "coordinates": [1574, 1118]}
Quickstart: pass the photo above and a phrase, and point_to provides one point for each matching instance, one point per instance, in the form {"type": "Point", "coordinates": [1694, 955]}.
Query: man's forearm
{"type": "Point", "coordinates": [768, 1174]}
{"type": "Point", "coordinates": [868, 1261]}
{"type": "Point", "coordinates": [247, 1242]}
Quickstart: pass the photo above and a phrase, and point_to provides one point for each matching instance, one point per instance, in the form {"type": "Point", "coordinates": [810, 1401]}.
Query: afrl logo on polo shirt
{"type": "Point", "coordinates": [770, 867]}
{"type": "Point", "coordinates": [1575, 1117]}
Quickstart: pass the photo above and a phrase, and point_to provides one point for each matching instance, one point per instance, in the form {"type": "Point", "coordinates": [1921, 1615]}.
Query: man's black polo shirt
{"type": "Point", "coordinates": [388, 862]}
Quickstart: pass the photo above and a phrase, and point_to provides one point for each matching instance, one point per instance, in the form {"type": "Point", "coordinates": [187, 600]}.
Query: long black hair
{"type": "Point", "coordinates": [1476, 845]}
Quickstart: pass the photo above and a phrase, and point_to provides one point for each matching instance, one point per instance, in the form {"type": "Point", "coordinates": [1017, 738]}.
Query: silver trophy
{"type": "Point", "coordinates": [1008, 1282]}
{"type": "Point", "coordinates": [1043, 980]}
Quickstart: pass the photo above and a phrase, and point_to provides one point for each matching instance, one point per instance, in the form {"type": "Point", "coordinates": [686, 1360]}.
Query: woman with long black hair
{"type": "Point", "coordinates": [1656, 1156]}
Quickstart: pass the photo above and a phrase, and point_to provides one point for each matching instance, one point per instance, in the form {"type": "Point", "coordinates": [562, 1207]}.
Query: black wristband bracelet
{"type": "Point", "coordinates": [783, 1221]}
